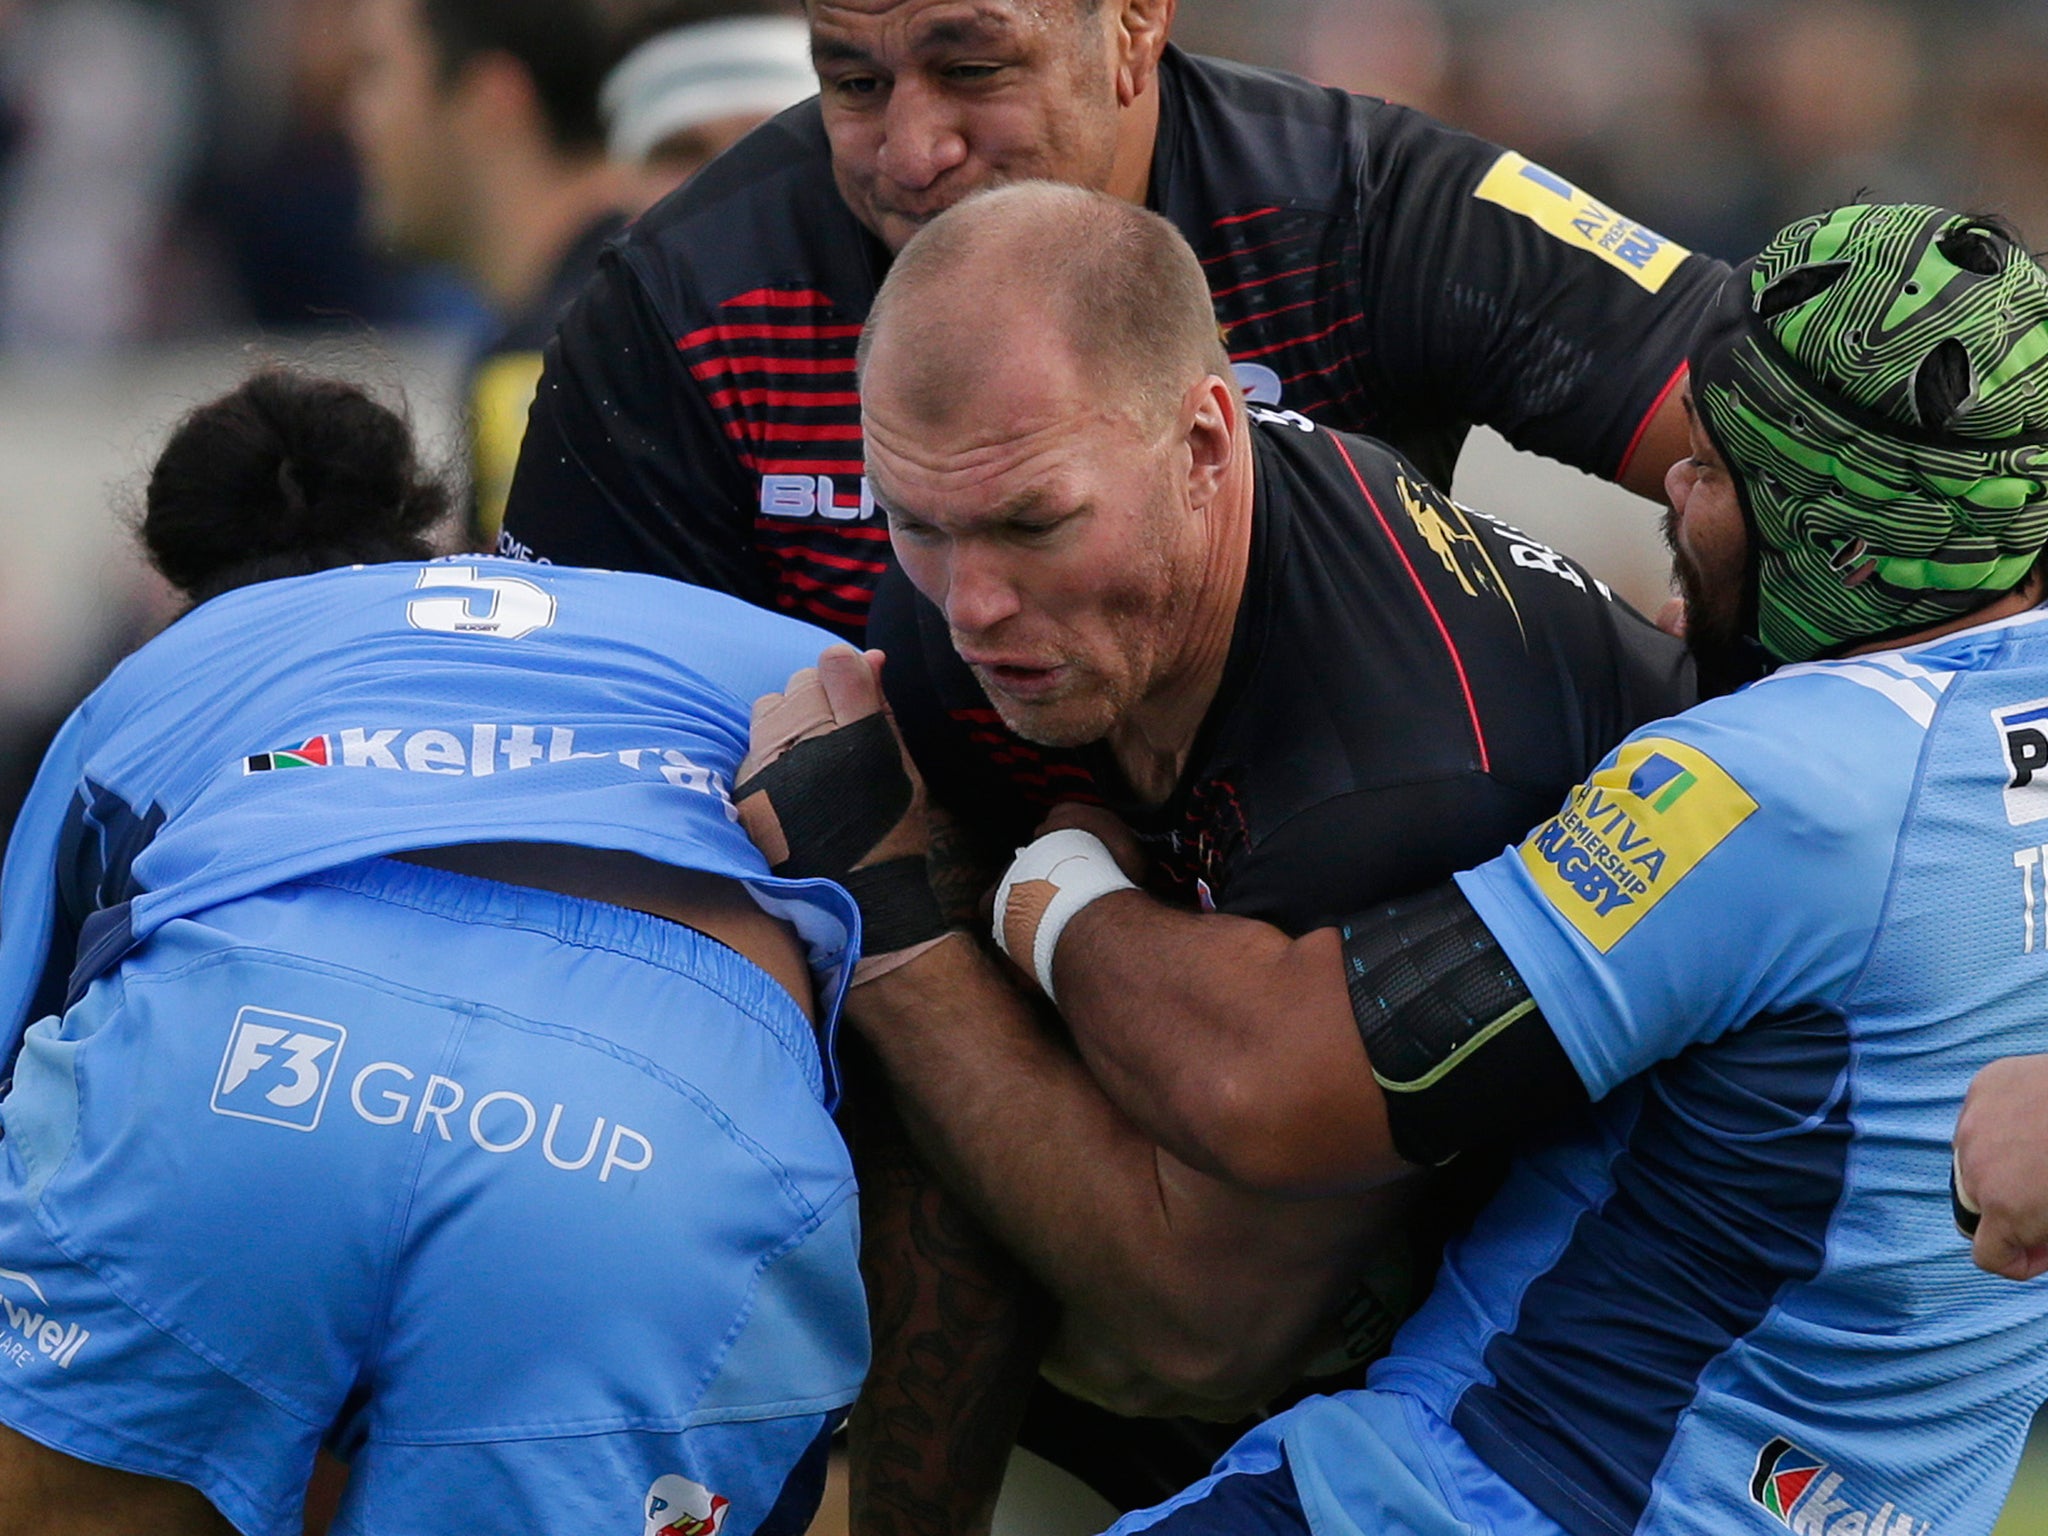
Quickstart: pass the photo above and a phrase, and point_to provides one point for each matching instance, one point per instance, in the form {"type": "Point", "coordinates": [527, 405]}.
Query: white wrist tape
{"type": "Point", "coordinates": [1048, 883]}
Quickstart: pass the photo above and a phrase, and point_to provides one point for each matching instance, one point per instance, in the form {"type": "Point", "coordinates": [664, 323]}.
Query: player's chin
{"type": "Point", "coordinates": [1072, 717]}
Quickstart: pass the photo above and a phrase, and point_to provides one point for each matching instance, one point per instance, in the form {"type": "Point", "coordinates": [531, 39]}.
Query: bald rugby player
{"type": "Point", "coordinates": [1307, 678]}
{"type": "Point", "coordinates": [1377, 271]}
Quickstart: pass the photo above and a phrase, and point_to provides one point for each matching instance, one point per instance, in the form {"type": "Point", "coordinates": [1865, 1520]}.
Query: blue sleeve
{"type": "Point", "coordinates": [1727, 863]}
{"type": "Point", "coordinates": [28, 886]}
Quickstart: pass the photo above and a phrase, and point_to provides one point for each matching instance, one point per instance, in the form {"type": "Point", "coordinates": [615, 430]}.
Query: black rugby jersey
{"type": "Point", "coordinates": [1376, 270]}
{"type": "Point", "coordinates": [1411, 686]}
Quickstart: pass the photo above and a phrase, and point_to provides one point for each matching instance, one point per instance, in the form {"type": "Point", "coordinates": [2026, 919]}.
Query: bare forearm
{"type": "Point", "coordinates": [1228, 1042]}
{"type": "Point", "coordinates": [1207, 1285]}
{"type": "Point", "coordinates": [1009, 1117]}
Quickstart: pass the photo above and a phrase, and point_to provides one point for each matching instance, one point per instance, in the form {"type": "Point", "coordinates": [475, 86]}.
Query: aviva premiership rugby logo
{"type": "Point", "coordinates": [1631, 833]}
{"type": "Point", "coordinates": [1806, 1496]}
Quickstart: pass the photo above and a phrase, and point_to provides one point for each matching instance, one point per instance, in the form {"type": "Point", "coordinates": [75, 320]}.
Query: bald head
{"type": "Point", "coordinates": [988, 282]}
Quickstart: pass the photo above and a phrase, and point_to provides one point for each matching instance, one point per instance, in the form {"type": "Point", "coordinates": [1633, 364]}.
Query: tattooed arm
{"type": "Point", "coordinates": [958, 1327]}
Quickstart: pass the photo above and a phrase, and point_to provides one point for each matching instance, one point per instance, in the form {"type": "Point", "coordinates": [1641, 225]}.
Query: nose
{"type": "Point", "coordinates": [979, 594]}
{"type": "Point", "coordinates": [921, 137]}
{"type": "Point", "coordinates": [1678, 482]}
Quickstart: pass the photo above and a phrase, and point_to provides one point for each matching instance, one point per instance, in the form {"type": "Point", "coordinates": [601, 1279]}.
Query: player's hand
{"type": "Point", "coordinates": [2001, 1166]}
{"type": "Point", "coordinates": [828, 792]}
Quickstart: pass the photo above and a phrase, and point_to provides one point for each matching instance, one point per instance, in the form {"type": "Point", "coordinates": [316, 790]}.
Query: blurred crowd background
{"type": "Point", "coordinates": [175, 168]}
{"type": "Point", "coordinates": [179, 200]}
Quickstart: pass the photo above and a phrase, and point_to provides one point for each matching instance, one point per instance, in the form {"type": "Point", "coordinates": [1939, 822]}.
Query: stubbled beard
{"type": "Point", "coordinates": [1076, 721]}
{"type": "Point", "coordinates": [1724, 658]}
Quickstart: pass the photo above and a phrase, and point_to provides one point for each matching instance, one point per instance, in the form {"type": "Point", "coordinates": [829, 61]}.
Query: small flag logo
{"type": "Point", "coordinates": [1783, 1473]}
{"type": "Point", "coordinates": [313, 753]}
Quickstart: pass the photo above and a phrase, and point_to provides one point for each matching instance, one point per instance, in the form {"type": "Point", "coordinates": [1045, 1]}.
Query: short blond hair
{"type": "Point", "coordinates": [1124, 288]}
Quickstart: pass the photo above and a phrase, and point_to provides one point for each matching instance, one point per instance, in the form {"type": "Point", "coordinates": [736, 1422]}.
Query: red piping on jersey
{"type": "Point", "coordinates": [844, 591]}
{"type": "Point", "coordinates": [798, 399]}
{"type": "Point", "coordinates": [1628, 454]}
{"type": "Point", "coordinates": [1443, 629]}
{"type": "Point", "coordinates": [1251, 250]}
{"type": "Point", "coordinates": [761, 466]}
{"type": "Point", "coordinates": [793, 432]}
{"type": "Point", "coordinates": [790, 543]}
{"type": "Point", "coordinates": [1243, 218]}
{"type": "Point", "coordinates": [780, 298]}
{"type": "Point", "coordinates": [791, 549]}
{"type": "Point", "coordinates": [1267, 314]}
{"type": "Point", "coordinates": [710, 365]}
{"type": "Point", "coordinates": [1294, 341]}
{"type": "Point", "coordinates": [1277, 277]}
{"type": "Point", "coordinates": [1316, 373]}
{"type": "Point", "coordinates": [766, 331]}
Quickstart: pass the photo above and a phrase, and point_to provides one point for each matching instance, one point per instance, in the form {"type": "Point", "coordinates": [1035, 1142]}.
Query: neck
{"type": "Point", "coordinates": [1152, 742]}
{"type": "Point", "coordinates": [1137, 136]}
{"type": "Point", "coordinates": [530, 213]}
{"type": "Point", "coordinates": [2027, 594]}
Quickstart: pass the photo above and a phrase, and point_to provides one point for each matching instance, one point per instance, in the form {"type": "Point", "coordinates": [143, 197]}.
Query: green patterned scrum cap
{"type": "Point", "coordinates": [1877, 380]}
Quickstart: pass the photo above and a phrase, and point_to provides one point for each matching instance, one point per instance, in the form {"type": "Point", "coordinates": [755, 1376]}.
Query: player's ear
{"type": "Point", "coordinates": [1140, 29]}
{"type": "Point", "coordinates": [1213, 413]}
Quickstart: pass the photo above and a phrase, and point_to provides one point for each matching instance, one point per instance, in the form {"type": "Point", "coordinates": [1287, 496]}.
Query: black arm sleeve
{"type": "Point", "coordinates": [624, 466]}
{"type": "Point", "coordinates": [1554, 322]}
{"type": "Point", "coordinates": [1457, 1044]}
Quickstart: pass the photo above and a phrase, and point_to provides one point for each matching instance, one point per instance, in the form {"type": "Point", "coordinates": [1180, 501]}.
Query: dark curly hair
{"type": "Point", "coordinates": [284, 475]}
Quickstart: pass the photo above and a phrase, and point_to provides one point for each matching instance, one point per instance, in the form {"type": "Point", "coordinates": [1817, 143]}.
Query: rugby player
{"type": "Point", "coordinates": [1310, 679]}
{"type": "Point", "coordinates": [409, 1056]}
{"type": "Point", "coordinates": [1376, 271]}
{"type": "Point", "coordinates": [508, 137]}
{"type": "Point", "coordinates": [1767, 945]}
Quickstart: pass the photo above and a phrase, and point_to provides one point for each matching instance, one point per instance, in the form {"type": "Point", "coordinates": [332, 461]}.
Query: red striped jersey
{"type": "Point", "coordinates": [1411, 686]}
{"type": "Point", "coordinates": [1375, 270]}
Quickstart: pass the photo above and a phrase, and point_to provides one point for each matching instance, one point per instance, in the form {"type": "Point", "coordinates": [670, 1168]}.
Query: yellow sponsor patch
{"type": "Point", "coordinates": [1560, 209]}
{"type": "Point", "coordinates": [1631, 833]}
{"type": "Point", "coordinates": [504, 391]}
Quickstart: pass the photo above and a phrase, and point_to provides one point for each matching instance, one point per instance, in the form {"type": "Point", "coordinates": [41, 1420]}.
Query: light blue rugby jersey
{"type": "Point", "coordinates": [298, 725]}
{"type": "Point", "coordinates": [1777, 936]}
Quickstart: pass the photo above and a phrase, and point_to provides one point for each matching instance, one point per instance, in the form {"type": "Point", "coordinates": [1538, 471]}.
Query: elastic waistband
{"type": "Point", "coordinates": [633, 935]}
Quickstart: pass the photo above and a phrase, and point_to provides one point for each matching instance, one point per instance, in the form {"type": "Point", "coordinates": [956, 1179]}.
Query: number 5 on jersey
{"type": "Point", "coordinates": [508, 607]}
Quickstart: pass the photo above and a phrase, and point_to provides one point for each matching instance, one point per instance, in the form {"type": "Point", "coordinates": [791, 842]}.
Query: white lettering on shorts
{"type": "Point", "coordinates": [499, 1122]}
{"type": "Point", "coordinates": [278, 1068]}
{"type": "Point", "coordinates": [27, 1329]}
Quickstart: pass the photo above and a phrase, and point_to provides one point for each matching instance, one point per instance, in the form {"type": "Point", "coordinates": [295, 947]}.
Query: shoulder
{"type": "Point", "coordinates": [1239, 138]}
{"type": "Point", "coordinates": [1825, 760]}
{"type": "Point", "coordinates": [767, 214]}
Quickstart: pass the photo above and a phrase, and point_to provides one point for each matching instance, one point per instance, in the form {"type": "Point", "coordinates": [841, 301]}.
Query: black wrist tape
{"type": "Point", "coordinates": [897, 907]}
{"type": "Point", "coordinates": [1967, 1220]}
{"type": "Point", "coordinates": [836, 796]}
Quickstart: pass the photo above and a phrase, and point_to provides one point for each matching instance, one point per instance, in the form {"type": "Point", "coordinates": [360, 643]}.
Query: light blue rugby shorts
{"type": "Point", "coordinates": [526, 1206]}
{"type": "Point", "coordinates": [1360, 1463]}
